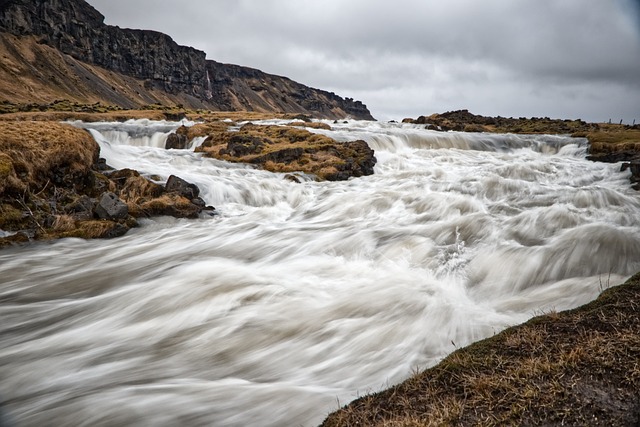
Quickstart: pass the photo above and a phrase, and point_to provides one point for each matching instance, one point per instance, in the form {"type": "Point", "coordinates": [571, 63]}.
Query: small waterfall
{"type": "Point", "coordinates": [209, 90]}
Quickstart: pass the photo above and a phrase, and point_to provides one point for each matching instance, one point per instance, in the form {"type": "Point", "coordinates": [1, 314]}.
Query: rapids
{"type": "Point", "coordinates": [298, 298]}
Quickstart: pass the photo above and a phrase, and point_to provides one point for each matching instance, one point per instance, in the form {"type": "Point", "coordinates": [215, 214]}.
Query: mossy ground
{"type": "Point", "coordinates": [574, 368]}
{"type": "Point", "coordinates": [49, 186]}
{"type": "Point", "coordinates": [291, 149]}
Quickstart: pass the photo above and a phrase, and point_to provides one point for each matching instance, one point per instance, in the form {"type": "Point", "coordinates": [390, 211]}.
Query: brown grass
{"type": "Point", "coordinates": [580, 367]}
{"type": "Point", "coordinates": [59, 116]}
{"type": "Point", "coordinates": [614, 140]}
{"type": "Point", "coordinates": [31, 154]}
{"type": "Point", "coordinates": [313, 125]}
{"type": "Point", "coordinates": [281, 149]}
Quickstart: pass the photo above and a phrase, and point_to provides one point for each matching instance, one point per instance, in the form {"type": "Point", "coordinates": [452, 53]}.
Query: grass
{"type": "Point", "coordinates": [290, 149]}
{"type": "Point", "coordinates": [614, 139]}
{"type": "Point", "coordinates": [31, 154]}
{"type": "Point", "coordinates": [580, 367]}
{"type": "Point", "coordinates": [48, 185]}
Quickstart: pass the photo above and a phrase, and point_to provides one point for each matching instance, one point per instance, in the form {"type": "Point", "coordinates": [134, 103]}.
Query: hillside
{"type": "Point", "coordinates": [62, 49]}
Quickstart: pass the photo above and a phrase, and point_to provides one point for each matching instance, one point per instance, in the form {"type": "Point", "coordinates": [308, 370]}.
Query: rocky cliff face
{"type": "Point", "coordinates": [233, 87]}
{"type": "Point", "coordinates": [76, 29]}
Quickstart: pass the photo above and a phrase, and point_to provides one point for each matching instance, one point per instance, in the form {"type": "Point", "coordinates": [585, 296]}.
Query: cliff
{"type": "Point", "coordinates": [132, 67]}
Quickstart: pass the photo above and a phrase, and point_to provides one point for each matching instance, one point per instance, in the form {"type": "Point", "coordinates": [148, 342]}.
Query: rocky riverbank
{"type": "Point", "coordinates": [608, 142]}
{"type": "Point", "coordinates": [573, 368]}
{"type": "Point", "coordinates": [53, 184]}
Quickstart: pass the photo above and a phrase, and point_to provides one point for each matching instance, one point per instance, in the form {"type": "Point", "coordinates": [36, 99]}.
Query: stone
{"type": "Point", "coordinates": [185, 189]}
{"type": "Point", "coordinates": [82, 208]}
{"type": "Point", "coordinates": [111, 207]}
{"type": "Point", "coordinates": [242, 145]}
{"type": "Point", "coordinates": [178, 140]}
{"type": "Point", "coordinates": [286, 155]}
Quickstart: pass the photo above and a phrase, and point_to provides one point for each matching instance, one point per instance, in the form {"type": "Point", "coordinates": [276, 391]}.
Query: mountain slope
{"type": "Point", "coordinates": [62, 48]}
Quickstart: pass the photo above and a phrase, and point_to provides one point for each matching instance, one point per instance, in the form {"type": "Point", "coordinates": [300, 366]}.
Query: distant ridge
{"type": "Point", "coordinates": [53, 49]}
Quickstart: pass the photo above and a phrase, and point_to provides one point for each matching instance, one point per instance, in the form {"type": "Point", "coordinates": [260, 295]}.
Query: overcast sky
{"type": "Point", "coordinates": [405, 58]}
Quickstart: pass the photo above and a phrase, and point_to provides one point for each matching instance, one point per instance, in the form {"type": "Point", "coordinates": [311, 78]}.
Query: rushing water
{"type": "Point", "coordinates": [298, 298]}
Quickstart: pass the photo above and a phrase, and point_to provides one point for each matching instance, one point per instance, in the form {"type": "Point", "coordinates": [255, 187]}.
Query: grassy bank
{"type": "Point", "coordinates": [579, 367]}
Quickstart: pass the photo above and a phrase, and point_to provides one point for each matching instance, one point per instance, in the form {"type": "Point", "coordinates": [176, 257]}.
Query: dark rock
{"type": "Point", "coordinates": [199, 202]}
{"type": "Point", "coordinates": [178, 185]}
{"type": "Point", "coordinates": [118, 230]}
{"type": "Point", "coordinates": [634, 167]}
{"type": "Point", "coordinates": [286, 155]}
{"type": "Point", "coordinates": [242, 145]}
{"type": "Point", "coordinates": [292, 178]}
{"type": "Point", "coordinates": [305, 118]}
{"type": "Point", "coordinates": [175, 117]}
{"type": "Point", "coordinates": [615, 157]}
{"type": "Point", "coordinates": [360, 161]}
{"type": "Point", "coordinates": [101, 165]}
{"type": "Point", "coordinates": [111, 207]}
{"type": "Point", "coordinates": [178, 140]}
{"type": "Point", "coordinates": [82, 208]}
{"type": "Point", "coordinates": [120, 176]}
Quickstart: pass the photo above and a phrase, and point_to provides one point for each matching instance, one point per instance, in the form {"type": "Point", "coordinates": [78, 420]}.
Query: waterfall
{"type": "Point", "coordinates": [299, 297]}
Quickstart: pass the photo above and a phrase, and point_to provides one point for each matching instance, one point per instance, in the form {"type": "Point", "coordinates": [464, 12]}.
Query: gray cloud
{"type": "Point", "coordinates": [574, 58]}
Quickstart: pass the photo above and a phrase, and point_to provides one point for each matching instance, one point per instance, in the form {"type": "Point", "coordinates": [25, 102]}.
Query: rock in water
{"type": "Point", "coordinates": [111, 207]}
{"type": "Point", "coordinates": [178, 185]}
{"type": "Point", "coordinates": [178, 140]}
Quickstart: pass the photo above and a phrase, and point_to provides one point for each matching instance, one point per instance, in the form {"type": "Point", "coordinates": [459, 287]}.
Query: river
{"type": "Point", "coordinates": [299, 297]}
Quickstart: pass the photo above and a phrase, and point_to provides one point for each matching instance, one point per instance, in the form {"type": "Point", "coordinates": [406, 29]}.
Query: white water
{"type": "Point", "coordinates": [298, 298]}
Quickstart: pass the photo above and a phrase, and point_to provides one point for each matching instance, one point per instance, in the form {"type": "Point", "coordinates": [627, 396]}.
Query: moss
{"type": "Point", "coordinates": [11, 218]}
{"type": "Point", "coordinates": [291, 149]}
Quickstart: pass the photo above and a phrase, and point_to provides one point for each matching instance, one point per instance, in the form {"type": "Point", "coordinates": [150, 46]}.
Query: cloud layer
{"type": "Point", "coordinates": [568, 59]}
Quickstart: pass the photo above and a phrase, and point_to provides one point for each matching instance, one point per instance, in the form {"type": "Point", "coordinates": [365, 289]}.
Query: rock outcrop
{"type": "Point", "coordinates": [290, 149]}
{"type": "Point", "coordinates": [464, 121]}
{"type": "Point", "coordinates": [162, 69]}
{"type": "Point", "coordinates": [52, 184]}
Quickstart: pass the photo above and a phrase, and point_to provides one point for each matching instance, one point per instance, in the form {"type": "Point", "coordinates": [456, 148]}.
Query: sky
{"type": "Point", "coordinates": [405, 58]}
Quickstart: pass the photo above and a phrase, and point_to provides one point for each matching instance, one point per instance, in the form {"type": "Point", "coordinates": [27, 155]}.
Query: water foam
{"type": "Point", "coordinates": [299, 296]}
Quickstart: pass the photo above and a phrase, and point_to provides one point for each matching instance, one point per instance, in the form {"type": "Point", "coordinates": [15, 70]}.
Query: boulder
{"type": "Point", "coordinates": [185, 189]}
{"type": "Point", "coordinates": [242, 145]}
{"type": "Point", "coordinates": [111, 207]}
{"type": "Point", "coordinates": [82, 208]}
{"type": "Point", "coordinates": [178, 140]}
{"type": "Point", "coordinates": [286, 155]}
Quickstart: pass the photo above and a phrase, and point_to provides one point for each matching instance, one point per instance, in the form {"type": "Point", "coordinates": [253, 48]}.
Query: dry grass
{"type": "Point", "coordinates": [614, 140]}
{"type": "Point", "coordinates": [33, 154]}
{"type": "Point", "coordinates": [579, 367]}
{"type": "Point", "coordinates": [48, 188]}
{"type": "Point", "coordinates": [236, 116]}
{"type": "Point", "coordinates": [59, 116]}
{"type": "Point", "coordinates": [167, 204]}
{"type": "Point", "coordinates": [213, 119]}
{"type": "Point", "coordinates": [287, 149]}
{"type": "Point", "coordinates": [313, 125]}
